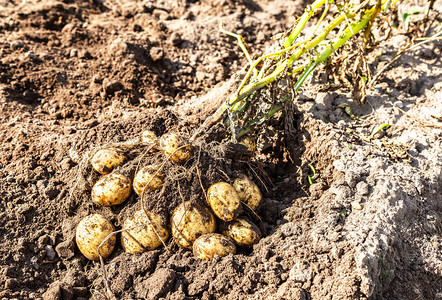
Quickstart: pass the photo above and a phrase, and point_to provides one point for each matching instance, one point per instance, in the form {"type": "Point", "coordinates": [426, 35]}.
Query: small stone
{"type": "Point", "coordinates": [156, 53]}
{"type": "Point", "coordinates": [175, 39]}
{"type": "Point", "coordinates": [399, 104]}
{"type": "Point", "coordinates": [34, 262]}
{"type": "Point", "coordinates": [17, 44]}
{"type": "Point", "coordinates": [113, 86]}
{"type": "Point", "coordinates": [31, 55]}
{"type": "Point", "coordinates": [50, 253]}
{"type": "Point", "coordinates": [73, 53]}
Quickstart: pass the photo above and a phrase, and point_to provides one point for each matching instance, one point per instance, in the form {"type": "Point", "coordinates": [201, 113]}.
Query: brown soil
{"type": "Point", "coordinates": [76, 75]}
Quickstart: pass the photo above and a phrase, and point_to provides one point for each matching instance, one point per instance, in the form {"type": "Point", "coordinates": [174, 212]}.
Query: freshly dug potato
{"type": "Point", "coordinates": [143, 238]}
{"type": "Point", "coordinates": [111, 189]}
{"type": "Point", "coordinates": [149, 137]}
{"type": "Point", "coordinates": [170, 143]}
{"type": "Point", "coordinates": [209, 245]}
{"type": "Point", "coordinates": [145, 176]}
{"type": "Point", "coordinates": [224, 201]}
{"type": "Point", "coordinates": [189, 221]}
{"type": "Point", "coordinates": [105, 160]}
{"type": "Point", "coordinates": [91, 231]}
{"type": "Point", "coordinates": [242, 231]}
{"type": "Point", "coordinates": [248, 192]}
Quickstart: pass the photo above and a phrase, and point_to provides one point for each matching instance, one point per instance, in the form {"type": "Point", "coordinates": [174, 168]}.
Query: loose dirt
{"type": "Point", "coordinates": [76, 75]}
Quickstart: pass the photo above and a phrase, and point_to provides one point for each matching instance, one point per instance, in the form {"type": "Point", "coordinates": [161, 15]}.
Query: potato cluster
{"type": "Point", "coordinates": [192, 226]}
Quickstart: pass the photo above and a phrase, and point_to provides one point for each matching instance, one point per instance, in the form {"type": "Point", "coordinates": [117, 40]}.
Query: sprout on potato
{"type": "Point", "coordinates": [111, 189]}
{"type": "Point", "coordinates": [242, 231]}
{"type": "Point", "coordinates": [248, 192]}
{"type": "Point", "coordinates": [91, 232]}
{"type": "Point", "coordinates": [148, 237]}
{"type": "Point", "coordinates": [224, 201]}
{"type": "Point", "coordinates": [189, 221]}
{"type": "Point", "coordinates": [105, 160]}
{"type": "Point", "coordinates": [173, 145]}
{"type": "Point", "coordinates": [145, 179]}
{"type": "Point", "coordinates": [209, 245]}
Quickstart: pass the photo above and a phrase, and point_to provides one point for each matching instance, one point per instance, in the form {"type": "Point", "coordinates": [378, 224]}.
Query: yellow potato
{"type": "Point", "coordinates": [111, 189]}
{"type": "Point", "coordinates": [248, 192]}
{"type": "Point", "coordinates": [149, 137]}
{"type": "Point", "coordinates": [170, 143]}
{"type": "Point", "coordinates": [242, 231]}
{"type": "Point", "coordinates": [148, 237]}
{"type": "Point", "coordinates": [189, 221]}
{"type": "Point", "coordinates": [105, 160]}
{"type": "Point", "coordinates": [145, 176]}
{"type": "Point", "coordinates": [91, 231]}
{"type": "Point", "coordinates": [209, 245]}
{"type": "Point", "coordinates": [224, 201]}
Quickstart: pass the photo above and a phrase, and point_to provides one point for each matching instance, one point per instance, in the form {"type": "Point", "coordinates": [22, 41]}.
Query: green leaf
{"type": "Point", "coordinates": [406, 18]}
{"type": "Point", "coordinates": [310, 180]}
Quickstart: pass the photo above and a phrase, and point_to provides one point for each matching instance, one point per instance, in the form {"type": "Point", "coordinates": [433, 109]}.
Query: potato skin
{"type": "Point", "coordinates": [90, 232]}
{"type": "Point", "coordinates": [224, 201]}
{"type": "Point", "coordinates": [189, 221]}
{"type": "Point", "coordinates": [242, 231]}
{"type": "Point", "coordinates": [143, 176]}
{"type": "Point", "coordinates": [170, 142]}
{"type": "Point", "coordinates": [105, 160]}
{"type": "Point", "coordinates": [248, 192]}
{"type": "Point", "coordinates": [143, 238]}
{"type": "Point", "coordinates": [211, 244]}
{"type": "Point", "coordinates": [111, 189]}
{"type": "Point", "coordinates": [150, 138]}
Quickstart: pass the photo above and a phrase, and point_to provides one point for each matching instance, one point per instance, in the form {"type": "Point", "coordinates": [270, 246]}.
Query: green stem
{"type": "Point", "coordinates": [308, 13]}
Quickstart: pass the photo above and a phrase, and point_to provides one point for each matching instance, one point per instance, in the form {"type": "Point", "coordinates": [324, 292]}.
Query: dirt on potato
{"type": "Point", "coordinates": [348, 211]}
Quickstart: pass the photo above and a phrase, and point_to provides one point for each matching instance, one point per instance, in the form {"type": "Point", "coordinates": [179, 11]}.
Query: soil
{"type": "Point", "coordinates": [76, 75]}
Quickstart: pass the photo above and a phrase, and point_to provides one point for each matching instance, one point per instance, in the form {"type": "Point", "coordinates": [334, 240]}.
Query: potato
{"type": "Point", "coordinates": [248, 192]}
{"type": "Point", "coordinates": [145, 176]}
{"type": "Point", "coordinates": [149, 137]}
{"type": "Point", "coordinates": [91, 231]}
{"type": "Point", "coordinates": [148, 237]}
{"type": "Point", "coordinates": [111, 189]}
{"type": "Point", "coordinates": [209, 245]}
{"type": "Point", "coordinates": [189, 221]}
{"type": "Point", "coordinates": [105, 160]}
{"type": "Point", "coordinates": [170, 143]}
{"type": "Point", "coordinates": [242, 231]}
{"type": "Point", "coordinates": [224, 201]}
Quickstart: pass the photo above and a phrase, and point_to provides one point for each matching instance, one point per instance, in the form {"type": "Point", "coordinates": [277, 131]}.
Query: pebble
{"type": "Point", "coordinates": [16, 44]}
{"type": "Point", "coordinates": [34, 262]}
{"type": "Point", "coordinates": [399, 104]}
{"type": "Point", "coordinates": [156, 53]}
{"type": "Point", "coordinates": [50, 253]}
{"type": "Point", "coordinates": [175, 39]}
